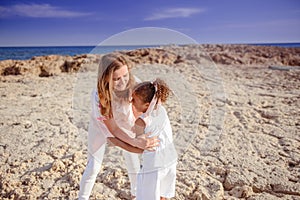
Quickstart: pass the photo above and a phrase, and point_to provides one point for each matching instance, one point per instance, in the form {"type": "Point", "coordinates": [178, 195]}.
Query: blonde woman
{"type": "Point", "coordinates": [110, 118]}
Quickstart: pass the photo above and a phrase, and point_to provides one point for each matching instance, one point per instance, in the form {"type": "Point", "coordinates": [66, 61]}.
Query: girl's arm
{"type": "Point", "coordinates": [140, 142]}
{"type": "Point", "coordinates": [124, 145]}
{"type": "Point", "coordinates": [139, 127]}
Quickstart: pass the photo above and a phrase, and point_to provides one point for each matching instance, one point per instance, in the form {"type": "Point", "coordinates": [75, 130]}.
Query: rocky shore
{"type": "Point", "coordinates": [234, 113]}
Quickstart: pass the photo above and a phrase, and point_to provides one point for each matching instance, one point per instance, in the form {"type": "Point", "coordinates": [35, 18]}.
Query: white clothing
{"type": "Point", "coordinates": [90, 174]}
{"type": "Point", "coordinates": [124, 117]}
{"type": "Point", "coordinates": [157, 175]}
{"type": "Point", "coordinates": [97, 138]}
{"type": "Point", "coordinates": [94, 165]}
{"type": "Point", "coordinates": [165, 154]}
{"type": "Point", "coordinates": [97, 132]}
{"type": "Point", "coordinates": [156, 184]}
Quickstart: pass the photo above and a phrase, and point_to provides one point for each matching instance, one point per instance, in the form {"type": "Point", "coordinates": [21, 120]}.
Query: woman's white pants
{"type": "Point", "coordinates": [93, 167]}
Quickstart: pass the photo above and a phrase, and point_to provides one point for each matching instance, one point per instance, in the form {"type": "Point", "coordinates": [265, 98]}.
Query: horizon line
{"type": "Point", "coordinates": [123, 45]}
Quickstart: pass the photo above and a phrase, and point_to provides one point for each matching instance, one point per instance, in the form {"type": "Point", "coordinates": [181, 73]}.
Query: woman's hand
{"type": "Point", "coordinates": [147, 143]}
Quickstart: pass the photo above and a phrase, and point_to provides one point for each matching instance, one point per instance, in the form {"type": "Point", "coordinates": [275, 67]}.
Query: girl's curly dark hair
{"type": "Point", "coordinates": [146, 90]}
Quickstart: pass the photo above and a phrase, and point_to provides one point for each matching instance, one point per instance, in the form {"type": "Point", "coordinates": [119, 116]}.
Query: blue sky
{"type": "Point", "coordinates": [74, 22]}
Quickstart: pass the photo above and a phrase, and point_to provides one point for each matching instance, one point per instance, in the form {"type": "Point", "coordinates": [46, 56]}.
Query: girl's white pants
{"type": "Point", "coordinates": [151, 185]}
{"type": "Point", "coordinates": [93, 167]}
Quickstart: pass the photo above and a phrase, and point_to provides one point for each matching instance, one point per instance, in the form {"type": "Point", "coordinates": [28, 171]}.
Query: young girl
{"type": "Point", "coordinates": [110, 111]}
{"type": "Point", "coordinates": [157, 176]}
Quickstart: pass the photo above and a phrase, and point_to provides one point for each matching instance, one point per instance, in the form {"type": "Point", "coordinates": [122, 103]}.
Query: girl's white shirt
{"type": "Point", "coordinates": [165, 154]}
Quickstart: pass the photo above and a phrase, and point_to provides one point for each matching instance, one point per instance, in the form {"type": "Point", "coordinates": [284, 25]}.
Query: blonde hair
{"type": "Point", "coordinates": [146, 90]}
{"type": "Point", "coordinates": [109, 63]}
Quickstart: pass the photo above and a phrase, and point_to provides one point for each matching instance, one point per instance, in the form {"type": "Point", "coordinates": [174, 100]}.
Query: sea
{"type": "Point", "coordinates": [24, 53]}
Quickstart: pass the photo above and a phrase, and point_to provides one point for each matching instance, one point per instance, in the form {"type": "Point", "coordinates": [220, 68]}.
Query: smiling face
{"type": "Point", "coordinates": [138, 105]}
{"type": "Point", "coordinates": [120, 78]}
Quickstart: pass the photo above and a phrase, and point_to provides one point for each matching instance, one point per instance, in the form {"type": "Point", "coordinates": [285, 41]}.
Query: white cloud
{"type": "Point", "coordinates": [38, 11]}
{"type": "Point", "coordinates": [174, 13]}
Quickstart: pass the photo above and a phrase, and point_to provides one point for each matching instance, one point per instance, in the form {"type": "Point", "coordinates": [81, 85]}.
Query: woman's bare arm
{"type": "Point", "coordinates": [140, 142]}
{"type": "Point", "coordinates": [124, 145]}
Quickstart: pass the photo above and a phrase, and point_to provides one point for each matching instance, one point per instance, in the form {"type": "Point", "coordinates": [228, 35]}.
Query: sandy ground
{"type": "Point", "coordinates": [235, 117]}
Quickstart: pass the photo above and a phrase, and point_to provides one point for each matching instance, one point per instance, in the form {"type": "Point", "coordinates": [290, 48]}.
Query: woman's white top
{"type": "Point", "coordinates": [123, 116]}
{"type": "Point", "coordinates": [165, 154]}
{"type": "Point", "coordinates": [98, 132]}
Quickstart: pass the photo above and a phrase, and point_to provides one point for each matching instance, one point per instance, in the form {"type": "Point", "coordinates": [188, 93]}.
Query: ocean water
{"type": "Point", "coordinates": [287, 45]}
{"type": "Point", "coordinates": [24, 53]}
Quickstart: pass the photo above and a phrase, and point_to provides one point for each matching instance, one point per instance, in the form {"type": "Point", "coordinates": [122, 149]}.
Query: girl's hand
{"type": "Point", "coordinates": [143, 142]}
